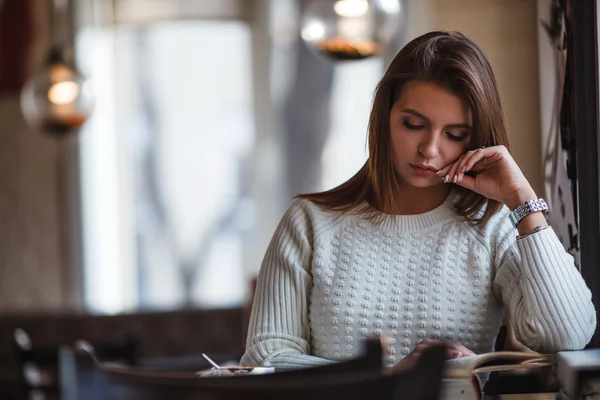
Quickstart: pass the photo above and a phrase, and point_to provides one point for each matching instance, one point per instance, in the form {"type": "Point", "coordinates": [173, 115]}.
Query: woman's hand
{"type": "Point", "coordinates": [453, 351]}
{"type": "Point", "coordinates": [496, 175]}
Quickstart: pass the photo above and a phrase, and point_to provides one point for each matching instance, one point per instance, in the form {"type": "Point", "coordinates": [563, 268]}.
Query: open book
{"type": "Point", "coordinates": [461, 380]}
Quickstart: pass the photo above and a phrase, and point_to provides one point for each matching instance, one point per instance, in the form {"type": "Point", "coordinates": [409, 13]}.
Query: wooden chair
{"type": "Point", "coordinates": [39, 371]}
{"type": "Point", "coordinates": [355, 379]}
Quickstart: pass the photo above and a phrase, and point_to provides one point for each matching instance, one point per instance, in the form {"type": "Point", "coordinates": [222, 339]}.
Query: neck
{"type": "Point", "coordinates": [414, 200]}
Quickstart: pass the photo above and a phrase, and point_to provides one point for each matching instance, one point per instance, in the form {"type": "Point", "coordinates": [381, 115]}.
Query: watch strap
{"type": "Point", "coordinates": [529, 207]}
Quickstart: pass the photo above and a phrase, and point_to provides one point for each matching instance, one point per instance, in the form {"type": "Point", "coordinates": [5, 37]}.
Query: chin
{"type": "Point", "coordinates": [426, 186]}
{"type": "Point", "coordinates": [423, 183]}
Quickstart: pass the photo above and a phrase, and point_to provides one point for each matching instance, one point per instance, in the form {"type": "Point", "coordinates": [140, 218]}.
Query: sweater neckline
{"type": "Point", "coordinates": [413, 222]}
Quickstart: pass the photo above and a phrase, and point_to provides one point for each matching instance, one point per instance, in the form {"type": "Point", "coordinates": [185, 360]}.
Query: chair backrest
{"type": "Point", "coordinates": [176, 336]}
{"type": "Point", "coordinates": [39, 371]}
{"type": "Point", "coordinates": [38, 368]}
{"type": "Point", "coordinates": [342, 380]}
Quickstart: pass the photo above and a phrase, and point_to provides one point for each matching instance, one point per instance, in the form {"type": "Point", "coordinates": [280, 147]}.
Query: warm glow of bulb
{"type": "Point", "coordinates": [60, 72]}
{"type": "Point", "coordinates": [63, 92]}
{"type": "Point", "coordinates": [314, 30]}
{"type": "Point", "coordinates": [351, 8]}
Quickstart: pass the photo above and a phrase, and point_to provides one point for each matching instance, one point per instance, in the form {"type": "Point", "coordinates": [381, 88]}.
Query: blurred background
{"type": "Point", "coordinates": [207, 117]}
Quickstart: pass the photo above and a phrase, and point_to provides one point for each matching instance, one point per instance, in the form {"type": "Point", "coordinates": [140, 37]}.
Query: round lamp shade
{"type": "Point", "coordinates": [350, 29]}
{"type": "Point", "coordinates": [57, 100]}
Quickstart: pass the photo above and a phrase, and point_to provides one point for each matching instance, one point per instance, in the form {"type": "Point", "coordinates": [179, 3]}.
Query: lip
{"type": "Point", "coordinates": [423, 166]}
{"type": "Point", "coordinates": [423, 170]}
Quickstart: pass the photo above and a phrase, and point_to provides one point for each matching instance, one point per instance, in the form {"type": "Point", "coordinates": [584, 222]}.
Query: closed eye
{"type": "Point", "coordinates": [456, 138]}
{"type": "Point", "coordinates": [411, 126]}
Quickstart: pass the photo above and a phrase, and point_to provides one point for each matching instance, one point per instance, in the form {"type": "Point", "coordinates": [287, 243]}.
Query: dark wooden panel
{"type": "Point", "coordinates": [585, 91]}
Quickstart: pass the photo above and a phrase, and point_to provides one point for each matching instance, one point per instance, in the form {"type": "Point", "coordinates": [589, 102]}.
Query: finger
{"type": "Point", "coordinates": [404, 366]}
{"type": "Point", "coordinates": [443, 173]}
{"type": "Point", "coordinates": [452, 354]}
{"type": "Point", "coordinates": [412, 355]}
{"type": "Point", "coordinates": [452, 173]}
{"type": "Point", "coordinates": [464, 350]}
{"type": "Point", "coordinates": [490, 156]}
{"type": "Point", "coordinates": [478, 161]}
{"type": "Point", "coordinates": [420, 348]}
{"type": "Point", "coordinates": [406, 363]}
{"type": "Point", "coordinates": [464, 165]}
{"type": "Point", "coordinates": [459, 348]}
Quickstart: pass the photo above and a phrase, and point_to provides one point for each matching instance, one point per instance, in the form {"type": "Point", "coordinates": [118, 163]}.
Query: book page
{"type": "Point", "coordinates": [498, 361]}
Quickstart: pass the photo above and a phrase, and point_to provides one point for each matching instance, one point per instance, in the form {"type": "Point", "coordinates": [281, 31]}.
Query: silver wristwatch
{"type": "Point", "coordinates": [530, 206]}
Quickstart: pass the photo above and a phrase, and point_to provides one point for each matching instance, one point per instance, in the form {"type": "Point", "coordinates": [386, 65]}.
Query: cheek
{"type": "Point", "coordinates": [396, 139]}
{"type": "Point", "coordinates": [453, 153]}
{"type": "Point", "coordinates": [402, 152]}
{"type": "Point", "coordinates": [402, 140]}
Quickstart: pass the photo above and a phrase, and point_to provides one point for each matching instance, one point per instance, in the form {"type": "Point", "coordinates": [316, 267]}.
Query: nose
{"type": "Point", "coordinates": [429, 147]}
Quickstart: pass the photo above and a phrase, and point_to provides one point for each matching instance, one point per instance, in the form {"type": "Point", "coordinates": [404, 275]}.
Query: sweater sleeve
{"type": "Point", "coordinates": [279, 330]}
{"type": "Point", "coordinates": [544, 293]}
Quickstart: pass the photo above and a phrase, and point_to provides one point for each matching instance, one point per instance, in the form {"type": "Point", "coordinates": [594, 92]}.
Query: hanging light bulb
{"type": "Point", "coordinates": [57, 100]}
{"type": "Point", "coordinates": [350, 29]}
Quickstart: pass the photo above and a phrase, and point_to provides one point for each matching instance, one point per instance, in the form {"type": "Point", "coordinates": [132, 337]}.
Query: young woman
{"type": "Point", "coordinates": [434, 239]}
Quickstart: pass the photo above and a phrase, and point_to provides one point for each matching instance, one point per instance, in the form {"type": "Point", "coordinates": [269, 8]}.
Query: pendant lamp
{"type": "Point", "coordinates": [57, 99]}
{"type": "Point", "coordinates": [350, 29]}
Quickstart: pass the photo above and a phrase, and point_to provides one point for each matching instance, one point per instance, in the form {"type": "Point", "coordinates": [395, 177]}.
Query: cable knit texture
{"type": "Point", "coordinates": [329, 280]}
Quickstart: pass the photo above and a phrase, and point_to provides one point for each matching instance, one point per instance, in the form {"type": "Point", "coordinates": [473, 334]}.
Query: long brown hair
{"type": "Point", "coordinates": [448, 59]}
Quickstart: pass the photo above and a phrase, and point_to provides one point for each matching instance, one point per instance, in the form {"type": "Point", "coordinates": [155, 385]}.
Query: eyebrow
{"type": "Point", "coordinates": [418, 114]}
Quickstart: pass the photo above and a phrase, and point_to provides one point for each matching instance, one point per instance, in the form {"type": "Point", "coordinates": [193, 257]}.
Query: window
{"type": "Point", "coordinates": [352, 94]}
{"type": "Point", "coordinates": [172, 213]}
{"type": "Point", "coordinates": [163, 164]}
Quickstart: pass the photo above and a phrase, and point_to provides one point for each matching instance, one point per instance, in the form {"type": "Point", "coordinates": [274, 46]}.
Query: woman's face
{"type": "Point", "coordinates": [430, 128]}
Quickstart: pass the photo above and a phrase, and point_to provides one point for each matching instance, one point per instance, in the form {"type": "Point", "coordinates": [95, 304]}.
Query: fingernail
{"type": "Point", "coordinates": [455, 178]}
{"type": "Point", "coordinates": [437, 173]}
{"type": "Point", "coordinates": [463, 169]}
{"type": "Point", "coordinates": [446, 178]}
{"type": "Point", "coordinates": [455, 354]}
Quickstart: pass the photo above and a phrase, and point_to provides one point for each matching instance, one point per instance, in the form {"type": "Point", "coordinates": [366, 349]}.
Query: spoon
{"type": "Point", "coordinates": [214, 364]}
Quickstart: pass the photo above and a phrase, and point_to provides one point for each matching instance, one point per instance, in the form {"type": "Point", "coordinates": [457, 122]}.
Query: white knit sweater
{"type": "Point", "coordinates": [328, 280]}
